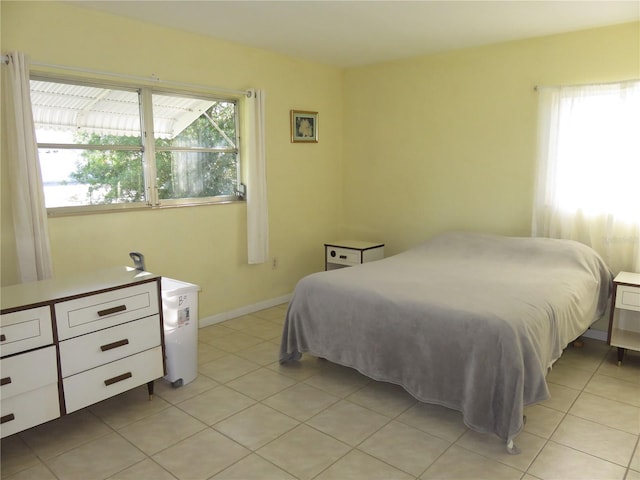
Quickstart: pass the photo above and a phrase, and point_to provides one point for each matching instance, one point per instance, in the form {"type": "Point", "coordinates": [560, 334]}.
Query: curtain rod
{"type": "Point", "coordinates": [542, 87]}
{"type": "Point", "coordinates": [153, 78]}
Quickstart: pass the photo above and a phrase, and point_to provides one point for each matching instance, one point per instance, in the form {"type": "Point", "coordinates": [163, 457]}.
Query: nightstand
{"type": "Point", "coordinates": [347, 253]}
{"type": "Point", "coordinates": [624, 321]}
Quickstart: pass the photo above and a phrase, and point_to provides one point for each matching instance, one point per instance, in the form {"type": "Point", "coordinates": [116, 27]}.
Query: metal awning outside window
{"type": "Point", "coordinates": [107, 111]}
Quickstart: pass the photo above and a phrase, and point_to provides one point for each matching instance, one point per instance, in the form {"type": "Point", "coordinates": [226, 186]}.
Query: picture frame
{"type": "Point", "coordinates": [304, 126]}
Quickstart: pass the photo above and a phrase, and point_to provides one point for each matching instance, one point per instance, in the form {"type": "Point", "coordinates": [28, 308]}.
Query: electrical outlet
{"type": "Point", "coordinates": [274, 263]}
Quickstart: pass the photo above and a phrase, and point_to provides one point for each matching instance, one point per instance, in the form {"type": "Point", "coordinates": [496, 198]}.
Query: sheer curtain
{"type": "Point", "coordinates": [27, 196]}
{"type": "Point", "coordinates": [257, 208]}
{"type": "Point", "coordinates": [588, 178]}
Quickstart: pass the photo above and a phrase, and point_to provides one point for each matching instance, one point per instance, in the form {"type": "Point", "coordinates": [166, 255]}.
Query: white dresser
{"type": "Point", "coordinates": [67, 343]}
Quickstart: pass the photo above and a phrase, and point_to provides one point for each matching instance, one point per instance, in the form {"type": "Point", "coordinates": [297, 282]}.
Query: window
{"type": "Point", "coordinates": [103, 147]}
{"type": "Point", "coordinates": [588, 169]}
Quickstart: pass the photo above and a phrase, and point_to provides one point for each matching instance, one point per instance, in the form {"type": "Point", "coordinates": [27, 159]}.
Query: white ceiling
{"type": "Point", "coordinates": [354, 33]}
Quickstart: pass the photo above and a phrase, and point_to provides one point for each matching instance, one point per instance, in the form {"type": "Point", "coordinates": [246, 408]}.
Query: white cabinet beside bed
{"type": "Point", "coordinates": [624, 322]}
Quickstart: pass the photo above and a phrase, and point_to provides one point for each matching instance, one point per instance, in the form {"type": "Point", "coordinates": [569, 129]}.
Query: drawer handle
{"type": "Point", "coordinates": [7, 418]}
{"type": "Point", "coordinates": [111, 346]}
{"type": "Point", "coordinates": [3, 337]}
{"type": "Point", "coordinates": [112, 310]}
{"type": "Point", "coordinates": [117, 379]}
{"type": "Point", "coordinates": [5, 381]}
{"type": "Point", "coordinates": [343, 257]}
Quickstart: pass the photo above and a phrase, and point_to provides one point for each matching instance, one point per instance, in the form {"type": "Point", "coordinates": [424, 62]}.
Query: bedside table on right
{"type": "Point", "coordinates": [624, 320]}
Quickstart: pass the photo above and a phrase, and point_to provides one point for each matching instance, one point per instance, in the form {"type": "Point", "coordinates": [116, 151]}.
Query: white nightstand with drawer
{"type": "Point", "coordinates": [624, 321]}
{"type": "Point", "coordinates": [347, 253]}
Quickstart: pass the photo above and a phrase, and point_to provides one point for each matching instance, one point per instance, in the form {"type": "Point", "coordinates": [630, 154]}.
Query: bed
{"type": "Point", "coordinates": [469, 321]}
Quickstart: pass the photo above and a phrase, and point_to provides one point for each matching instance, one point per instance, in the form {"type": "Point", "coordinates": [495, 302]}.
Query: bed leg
{"type": "Point", "coordinates": [512, 449]}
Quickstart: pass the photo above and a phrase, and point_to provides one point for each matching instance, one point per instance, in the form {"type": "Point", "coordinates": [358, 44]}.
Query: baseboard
{"type": "Point", "coordinates": [246, 310]}
{"type": "Point", "coordinates": [595, 334]}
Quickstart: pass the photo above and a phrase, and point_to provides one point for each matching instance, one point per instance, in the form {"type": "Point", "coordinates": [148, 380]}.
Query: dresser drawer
{"type": "Point", "coordinates": [89, 351]}
{"type": "Point", "coordinates": [25, 330]}
{"type": "Point", "coordinates": [344, 256]}
{"type": "Point", "coordinates": [92, 386]}
{"type": "Point", "coordinates": [96, 312]}
{"type": "Point", "coordinates": [628, 298]}
{"type": "Point", "coordinates": [29, 409]}
{"type": "Point", "coordinates": [28, 371]}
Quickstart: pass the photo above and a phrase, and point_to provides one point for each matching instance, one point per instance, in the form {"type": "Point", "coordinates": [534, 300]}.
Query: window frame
{"type": "Point", "coordinates": [148, 147]}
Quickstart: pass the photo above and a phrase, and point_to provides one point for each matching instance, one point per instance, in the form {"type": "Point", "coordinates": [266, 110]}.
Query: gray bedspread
{"type": "Point", "coordinates": [469, 321]}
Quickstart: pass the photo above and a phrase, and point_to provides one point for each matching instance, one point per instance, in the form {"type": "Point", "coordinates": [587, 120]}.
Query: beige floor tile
{"type": "Point", "coordinates": [233, 342]}
{"type": "Point", "coordinates": [385, 398]}
{"type": "Point", "coordinates": [201, 456]}
{"type": "Point", "coordinates": [36, 472]}
{"type": "Point", "coordinates": [301, 401]}
{"type": "Point", "coordinates": [256, 426]}
{"type": "Point", "coordinates": [611, 413]}
{"type": "Point", "coordinates": [338, 380]}
{"type": "Point", "coordinates": [595, 439]}
{"type": "Point", "coordinates": [261, 383]}
{"type": "Point", "coordinates": [357, 465]}
{"type": "Point", "coordinates": [561, 397]}
{"type": "Point", "coordinates": [460, 464]}
{"type": "Point", "coordinates": [348, 422]}
{"type": "Point", "coordinates": [404, 447]}
{"type": "Point", "coordinates": [216, 404]}
{"type": "Point", "coordinates": [264, 353]}
{"type": "Point", "coordinates": [302, 369]}
{"type": "Point", "coordinates": [559, 462]}
{"type": "Point", "coordinates": [176, 395]}
{"type": "Point", "coordinates": [635, 460]}
{"type": "Point", "coordinates": [614, 389]}
{"type": "Point", "coordinates": [276, 313]}
{"type": "Point", "coordinates": [65, 433]}
{"type": "Point", "coordinates": [589, 357]}
{"type": "Point", "coordinates": [435, 420]}
{"type": "Point", "coordinates": [207, 352]}
{"type": "Point", "coordinates": [97, 459]}
{"type": "Point", "coordinates": [253, 467]}
{"type": "Point", "coordinates": [128, 407]}
{"type": "Point", "coordinates": [629, 370]}
{"type": "Point", "coordinates": [541, 420]}
{"type": "Point", "coordinates": [492, 447]}
{"type": "Point", "coordinates": [145, 470]}
{"type": "Point", "coordinates": [159, 431]}
{"type": "Point", "coordinates": [569, 376]}
{"type": "Point", "coordinates": [16, 455]}
{"type": "Point", "coordinates": [227, 368]}
{"type": "Point", "coordinates": [304, 452]}
{"type": "Point", "coordinates": [213, 331]}
{"type": "Point", "coordinates": [246, 323]}
{"type": "Point", "coordinates": [632, 475]}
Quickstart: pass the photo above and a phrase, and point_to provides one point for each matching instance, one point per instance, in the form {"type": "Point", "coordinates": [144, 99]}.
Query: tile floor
{"type": "Point", "coordinates": [246, 417]}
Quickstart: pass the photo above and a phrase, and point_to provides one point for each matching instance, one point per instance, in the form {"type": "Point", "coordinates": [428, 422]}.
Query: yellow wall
{"type": "Point", "coordinates": [448, 141]}
{"type": "Point", "coordinates": [407, 148]}
{"type": "Point", "coordinates": [205, 245]}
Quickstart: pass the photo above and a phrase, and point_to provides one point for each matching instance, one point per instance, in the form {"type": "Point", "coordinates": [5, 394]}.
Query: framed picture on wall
{"type": "Point", "coordinates": [304, 126]}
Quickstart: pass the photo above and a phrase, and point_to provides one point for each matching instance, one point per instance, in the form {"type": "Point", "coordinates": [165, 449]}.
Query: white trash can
{"type": "Point", "coordinates": [180, 312]}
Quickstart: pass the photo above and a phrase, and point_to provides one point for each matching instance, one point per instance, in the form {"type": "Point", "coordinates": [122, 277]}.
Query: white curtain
{"type": "Point", "coordinates": [588, 177]}
{"type": "Point", "coordinates": [27, 197]}
{"type": "Point", "coordinates": [257, 208]}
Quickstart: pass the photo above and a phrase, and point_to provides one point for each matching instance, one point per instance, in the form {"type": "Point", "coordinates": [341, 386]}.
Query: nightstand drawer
{"type": "Point", "coordinates": [28, 371]}
{"type": "Point", "coordinates": [628, 298]}
{"type": "Point", "coordinates": [344, 256]}
{"type": "Point", "coordinates": [25, 330]}
{"type": "Point", "coordinates": [29, 409]}
{"type": "Point", "coordinates": [95, 312]}
{"type": "Point", "coordinates": [105, 346]}
{"type": "Point", "coordinates": [94, 385]}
